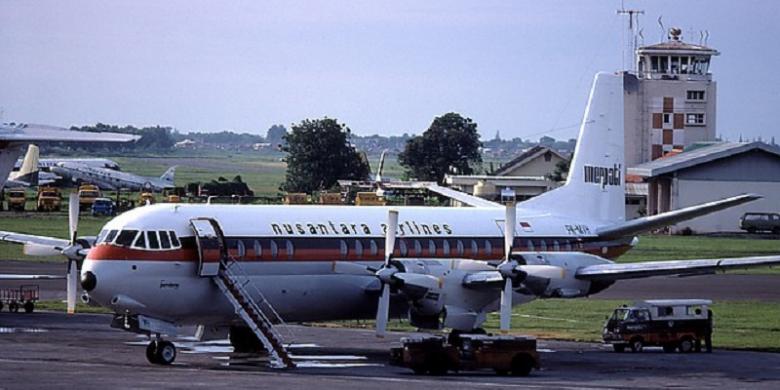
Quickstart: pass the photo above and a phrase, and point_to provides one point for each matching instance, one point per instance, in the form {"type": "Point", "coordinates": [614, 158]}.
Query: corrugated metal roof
{"type": "Point", "coordinates": [698, 156]}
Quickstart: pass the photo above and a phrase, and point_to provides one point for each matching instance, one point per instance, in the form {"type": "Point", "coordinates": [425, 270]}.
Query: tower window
{"type": "Point", "coordinates": [695, 95]}
{"type": "Point", "coordinates": [694, 119]}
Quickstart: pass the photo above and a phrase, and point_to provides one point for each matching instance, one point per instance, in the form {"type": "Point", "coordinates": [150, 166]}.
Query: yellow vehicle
{"type": "Point", "coordinates": [87, 195]}
{"type": "Point", "coordinates": [330, 198]}
{"type": "Point", "coordinates": [369, 199]}
{"type": "Point", "coordinates": [146, 198]}
{"type": "Point", "coordinates": [173, 199]}
{"type": "Point", "coordinates": [17, 199]}
{"type": "Point", "coordinates": [296, 198]}
{"type": "Point", "coordinates": [49, 199]}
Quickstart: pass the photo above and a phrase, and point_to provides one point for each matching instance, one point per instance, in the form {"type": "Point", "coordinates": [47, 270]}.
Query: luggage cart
{"type": "Point", "coordinates": [23, 297]}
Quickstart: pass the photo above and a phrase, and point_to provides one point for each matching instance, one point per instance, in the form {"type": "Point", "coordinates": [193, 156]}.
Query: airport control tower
{"type": "Point", "coordinates": [669, 99]}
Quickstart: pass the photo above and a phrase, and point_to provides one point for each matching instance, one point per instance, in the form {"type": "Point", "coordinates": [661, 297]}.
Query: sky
{"type": "Point", "coordinates": [521, 68]}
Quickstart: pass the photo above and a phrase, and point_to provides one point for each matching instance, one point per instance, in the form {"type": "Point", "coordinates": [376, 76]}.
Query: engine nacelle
{"type": "Point", "coordinates": [559, 268]}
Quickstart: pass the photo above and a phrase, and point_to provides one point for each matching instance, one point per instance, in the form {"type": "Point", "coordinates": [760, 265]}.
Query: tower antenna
{"type": "Point", "coordinates": [633, 26]}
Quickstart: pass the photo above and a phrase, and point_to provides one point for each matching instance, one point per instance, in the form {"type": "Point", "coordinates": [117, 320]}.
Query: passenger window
{"type": "Point", "coordinates": [241, 249]}
{"type": "Point", "coordinates": [274, 249]}
{"type": "Point", "coordinates": [174, 240]}
{"type": "Point", "coordinates": [151, 237]}
{"type": "Point", "coordinates": [530, 245]}
{"type": "Point", "coordinates": [290, 249]}
{"type": "Point", "coordinates": [543, 245]}
{"type": "Point", "coordinates": [488, 248]}
{"type": "Point", "coordinates": [358, 248]}
{"type": "Point", "coordinates": [165, 242]}
{"type": "Point", "coordinates": [403, 249]}
{"type": "Point", "coordinates": [460, 249]}
{"type": "Point", "coordinates": [111, 236]}
{"type": "Point", "coordinates": [374, 249]}
{"type": "Point", "coordinates": [343, 249]}
{"type": "Point", "coordinates": [556, 246]}
{"type": "Point", "coordinates": [140, 241]}
{"type": "Point", "coordinates": [431, 248]}
{"type": "Point", "coordinates": [258, 249]}
{"type": "Point", "coordinates": [418, 248]}
{"type": "Point", "coordinates": [445, 246]}
{"type": "Point", "coordinates": [568, 246]}
{"type": "Point", "coordinates": [126, 237]}
{"type": "Point", "coordinates": [474, 248]}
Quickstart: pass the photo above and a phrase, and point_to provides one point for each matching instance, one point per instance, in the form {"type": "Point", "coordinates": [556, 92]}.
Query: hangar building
{"type": "Point", "coordinates": [712, 172]}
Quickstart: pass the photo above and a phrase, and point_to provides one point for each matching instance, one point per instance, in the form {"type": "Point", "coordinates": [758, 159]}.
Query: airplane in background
{"type": "Point", "coordinates": [232, 269]}
{"type": "Point", "coordinates": [29, 173]}
{"type": "Point", "coordinates": [109, 179]}
{"type": "Point", "coordinates": [46, 163]}
{"type": "Point", "coordinates": [14, 137]}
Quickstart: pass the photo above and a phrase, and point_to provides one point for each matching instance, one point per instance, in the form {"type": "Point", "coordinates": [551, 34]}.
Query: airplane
{"type": "Point", "coordinates": [29, 173]}
{"type": "Point", "coordinates": [109, 179]}
{"type": "Point", "coordinates": [46, 163]}
{"type": "Point", "coordinates": [164, 266]}
{"type": "Point", "coordinates": [13, 138]}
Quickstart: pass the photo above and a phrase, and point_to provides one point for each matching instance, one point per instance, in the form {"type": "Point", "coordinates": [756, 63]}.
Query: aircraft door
{"type": "Point", "coordinates": [211, 245]}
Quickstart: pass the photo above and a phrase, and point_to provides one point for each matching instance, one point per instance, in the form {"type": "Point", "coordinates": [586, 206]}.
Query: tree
{"type": "Point", "coordinates": [451, 143]}
{"type": "Point", "coordinates": [275, 135]}
{"type": "Point", "coordinates": [561, 171]}
{"type": "Point", "coordinates": [319, 154]}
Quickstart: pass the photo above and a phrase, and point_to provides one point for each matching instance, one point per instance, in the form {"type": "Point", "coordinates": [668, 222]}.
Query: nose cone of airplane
{"type": "Point", "coordinates": [88, 281]}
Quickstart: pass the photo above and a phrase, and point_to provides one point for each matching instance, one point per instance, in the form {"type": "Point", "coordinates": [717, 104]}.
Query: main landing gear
{"type": "Point", "coordinates": [161, 352]}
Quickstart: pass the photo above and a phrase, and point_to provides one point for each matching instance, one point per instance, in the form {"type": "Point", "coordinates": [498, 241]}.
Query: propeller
{"type": "Point", "coordinates": [72, 251]}
{"type": "Point", "coordinates": [389, 275]}
{"type": "Point", "coordinates": [507, 268]}
{"type": "Point", "coordinates": [385, 274]}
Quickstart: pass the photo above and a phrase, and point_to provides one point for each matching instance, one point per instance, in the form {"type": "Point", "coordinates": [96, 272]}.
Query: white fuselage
{"type": "Point", "coordinates": [289, 253]}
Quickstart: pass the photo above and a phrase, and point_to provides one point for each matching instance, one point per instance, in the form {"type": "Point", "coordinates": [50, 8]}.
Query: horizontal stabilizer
{"type": "Point", "coordinates": [614, 271]}
{"type": "Point", "coordinates": [462, 197]}
{"type": "Point", "coordinates": [644, 224]}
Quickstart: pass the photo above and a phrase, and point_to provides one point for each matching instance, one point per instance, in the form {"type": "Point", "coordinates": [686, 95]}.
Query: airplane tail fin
{"type": "Point", "coordinates": [595, 185]}
{"type": "Point", "coordinates": [381, 167]}
{"type": "Point", "coordinates": [28, 172]}
{"type": "Point", "coordinates": [168, 175]}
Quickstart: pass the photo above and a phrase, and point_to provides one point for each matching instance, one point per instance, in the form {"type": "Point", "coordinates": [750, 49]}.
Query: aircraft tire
{"type": "Point", "coordinates": [165, 352]}
{"type": "Point", "coordinates": [151, 352]}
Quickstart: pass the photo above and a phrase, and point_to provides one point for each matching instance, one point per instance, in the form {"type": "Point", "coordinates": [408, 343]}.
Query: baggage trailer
{"type": "Point", "coordinates": [23, 297]}
{"type": "Point", "coordinates": [435, 355]}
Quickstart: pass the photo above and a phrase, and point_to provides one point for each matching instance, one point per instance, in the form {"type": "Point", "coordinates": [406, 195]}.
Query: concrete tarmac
{"type": "Point", "coordinates": [54, 350]}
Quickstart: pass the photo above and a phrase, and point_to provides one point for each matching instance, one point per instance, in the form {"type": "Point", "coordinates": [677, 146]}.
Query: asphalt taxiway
{"type": "Point", "coordinates": [54, 350]}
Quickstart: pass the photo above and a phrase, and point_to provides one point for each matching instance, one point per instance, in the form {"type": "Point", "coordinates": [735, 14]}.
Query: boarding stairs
{"type": "Point", "coordinates": [234, 282]}
{"type": "Point", "coordinates": [258, 313]}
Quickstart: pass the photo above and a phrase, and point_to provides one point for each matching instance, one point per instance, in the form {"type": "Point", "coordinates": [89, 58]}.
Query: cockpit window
{"type": "Point", "coordinates": [153, 242]}
{"type": "Point", "coordinates": [101, 236]}
{"type": "Point", "coordinates": [174, 240]}
{"type": "Point", "coordinates": [165, 242]}
{"type": "Point", "coordinates": [126, 237]}
{"type": "Point", "coordinates": [140, 241]}
{"type": "Point", "coordinates": [111, 236]}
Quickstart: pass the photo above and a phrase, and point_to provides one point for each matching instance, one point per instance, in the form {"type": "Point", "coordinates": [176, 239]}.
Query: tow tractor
{"type": "Point", "coordinates": [437, 355]}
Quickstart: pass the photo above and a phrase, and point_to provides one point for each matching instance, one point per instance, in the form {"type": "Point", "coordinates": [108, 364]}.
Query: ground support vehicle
{"type": "Point", "coordinates": [760, 222]}
{"type": "Point", "coordinates": [436, 355]}
{"type": "Point", "coordinates": [674, 324]}
{"type": "Point", "coordinates": [49, 199]}
{"type": "Point", "coordinates": [23, 297]}
{"type": "Point", "coordinates": [17, 199]}
{"type": "Point", "coordinates": [103, 206]}
{"type": "Point", "coordinates": [87, 195]}
{"type": "Point", "coordinates": [145, 198]}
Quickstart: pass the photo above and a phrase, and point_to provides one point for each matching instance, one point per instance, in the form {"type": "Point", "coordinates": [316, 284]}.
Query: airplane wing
{"type": "Point", "coordinates": [34, 133]}
{"type": "Point", "coordinates": [21, 238]}
{"type": "Point", "coordinates": [462, 197]}
{"type": "Point", "coordinates": [31, 277]}
{"type": "Point", "coordinates": [615, 271]}
{"type": "Point", "coordinates": [644, 224]}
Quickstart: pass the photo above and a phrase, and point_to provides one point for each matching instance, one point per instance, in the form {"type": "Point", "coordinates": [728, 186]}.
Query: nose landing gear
{"type": "Point", "coordinates": [161, 352]}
